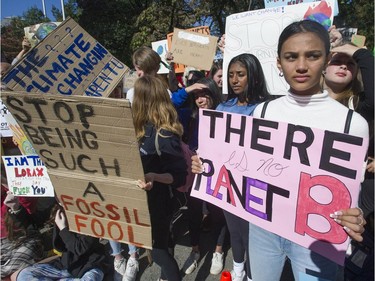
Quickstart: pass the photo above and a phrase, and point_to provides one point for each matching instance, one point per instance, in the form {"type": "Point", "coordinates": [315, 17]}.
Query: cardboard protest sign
{"type": "Point", "coordinates": [68, 62]}
{"type": "Point", "coordinates": [27, 176]}
{"type": "Point", "coordinates": [38, 32]}
{"type": "Point", "coordinates": [285, 178]}
{"type": "Point", "coordinates": [90, 150]}
{"type": "Point", "coordinates": [358, 40]}
{"type": "Point", "coordinates": [193, 49]}
{"type": "Point", "coordinates": [180, 68]}
{"type": "Point", "coordinates": [161, 47]}
{"type": "Point", "coordinates": [257, 32]}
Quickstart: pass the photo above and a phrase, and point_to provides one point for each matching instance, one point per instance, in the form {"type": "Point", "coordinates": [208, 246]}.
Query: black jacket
{"type": "Point", "coordinates": [171, 160]}
{"type": "Point", "coordinates": [80, 252]}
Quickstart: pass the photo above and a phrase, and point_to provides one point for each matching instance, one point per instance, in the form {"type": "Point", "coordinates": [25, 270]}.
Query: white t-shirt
{"type": "Point", "coordinates": [130, 94]}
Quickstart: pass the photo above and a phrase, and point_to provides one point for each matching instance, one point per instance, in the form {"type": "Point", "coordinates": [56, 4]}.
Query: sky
{"type": "Point", "coordinates": [18, 7]}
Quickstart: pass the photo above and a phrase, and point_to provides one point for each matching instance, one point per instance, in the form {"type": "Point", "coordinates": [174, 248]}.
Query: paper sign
{"type": "Point", "coordinates": [161, 47]}
{"type": "Point", "coordinates": [67, 62]}
{"type": "Point", "coordinates": [347, 33]}
{"type": "Point", "coordinates": [92, 155]}
{"type": "Point", "coordinates": [282, 177]}
{"type": "Point", "coordinates": [279, 3]}
{"type": "Point", "coordinates": [4, 131]}
{"type": "Point", "coordinates": [27, 176]}
{"type": "Point", "coordinates": [257, 32]}
{"type": "Point", "coordinates": [38, 32]}
{"type": "Point", "coordinates": [180, 68]}
{"type": "Point", "coordinates": [193, 49]}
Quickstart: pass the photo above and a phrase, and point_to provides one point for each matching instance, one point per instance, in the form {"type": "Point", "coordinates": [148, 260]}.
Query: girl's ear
{"type": "Point", "coordinates": [278, 63]}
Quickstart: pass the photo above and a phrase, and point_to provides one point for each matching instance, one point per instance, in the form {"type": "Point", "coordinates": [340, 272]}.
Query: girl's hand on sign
{"type": "Point", "coordinates": [353, 222]}
{"type": "Point", "coordinates": [196, 165]}
{"type": "Point", "coordinates": [149, 182]}
{"type": "Point", "coordinates": [335, 37]}
{"type": "Point", "coordinates": [60, 219]}
{"type": "Point", "coordinates": [169, 57]}
{"type": "Point", "coordinates": [26, 45]}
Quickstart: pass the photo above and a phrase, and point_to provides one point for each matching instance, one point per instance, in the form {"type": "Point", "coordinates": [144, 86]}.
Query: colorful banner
{"type": "Point", "coordinates": [19, 137]}
{"type": "Point", "coordinates": [285, 178]}
{"type": "Point", "coordinates": [38, 32]}
{"type": "Point", "coordinates": [27, 176]}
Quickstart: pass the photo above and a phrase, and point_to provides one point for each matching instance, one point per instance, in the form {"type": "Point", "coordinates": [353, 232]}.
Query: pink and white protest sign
{"type": "Point", "coordinates": [282, 177]}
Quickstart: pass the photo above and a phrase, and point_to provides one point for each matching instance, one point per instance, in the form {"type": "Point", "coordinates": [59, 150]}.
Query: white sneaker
{"type": "Point", "coordinates": [217, 263]}
{"type": "Point", "coordinates": [191, 263]}
{"type": "Point", "coordinates": [132, 269]}
{"type": "Point", "coordinates": [238, 277]}
{"type": "Point", "coordinates": [120, 265]}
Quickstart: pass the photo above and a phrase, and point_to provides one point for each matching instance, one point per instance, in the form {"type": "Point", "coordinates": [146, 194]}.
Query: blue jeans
{"type": "Point", "coordinates": [47, 272]}
{"type": "Point", "coordinates": [268, 252]}
{"type": "Point", "coordinates": [117, 248]}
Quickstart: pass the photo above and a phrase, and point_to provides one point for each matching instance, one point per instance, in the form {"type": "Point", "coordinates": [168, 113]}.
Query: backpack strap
{"type": "Point", "coordinates": [348, 121]}
{"type": "Point", "coordinates": [157, 144]}
{"type": "Point", "coordinates": [264, 109]}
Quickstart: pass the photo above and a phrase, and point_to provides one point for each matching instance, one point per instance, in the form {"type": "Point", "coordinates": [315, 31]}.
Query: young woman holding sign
{"type": "Point", "coordinates": [156, 124]}
{"type": "Point", "coordinates": [302, 56]}
{"type": "Point", "coordinates": [303, 50]}
{"type": "Point", "coordinates": [247, 88]}
{"type": "Point", "coordinates": [208, 98]}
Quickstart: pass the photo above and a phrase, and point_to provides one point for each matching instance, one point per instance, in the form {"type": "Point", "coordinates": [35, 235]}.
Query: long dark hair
{"type": "Point", "coordinates": [256, 90]}
{"type": "Point", "coordinates": [212, 91]}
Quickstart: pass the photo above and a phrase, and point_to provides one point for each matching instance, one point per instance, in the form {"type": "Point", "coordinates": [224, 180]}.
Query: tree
{"type": "Point", "coordinates": [12, 34]}
{"type": "Point", "coordinates": [112, 23]}
{"type": "Point", "coordinates": [358, 14]}
{"type": "Point", "coordinates": [121, 26]}
{"type": "Point", "coordinates": [71, 9]}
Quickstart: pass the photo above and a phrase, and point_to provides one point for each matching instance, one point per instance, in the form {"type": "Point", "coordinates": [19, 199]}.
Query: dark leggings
{"type": "Point", "coordinates": [195, 220]}
{"type": "Point", "coordinates": [168, 265]}
{"type": "Point", "coordinates": [239, 239]}
{"type": "Point", "coordinates": [219, 224]}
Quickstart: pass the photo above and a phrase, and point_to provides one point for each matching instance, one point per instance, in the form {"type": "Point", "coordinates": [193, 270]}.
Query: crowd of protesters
{"type": "Point", "coordinates": [328, 80]}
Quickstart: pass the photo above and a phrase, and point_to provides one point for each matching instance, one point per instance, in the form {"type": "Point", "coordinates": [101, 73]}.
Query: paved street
{"type": "Point", "coordinates": [182, 251]}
